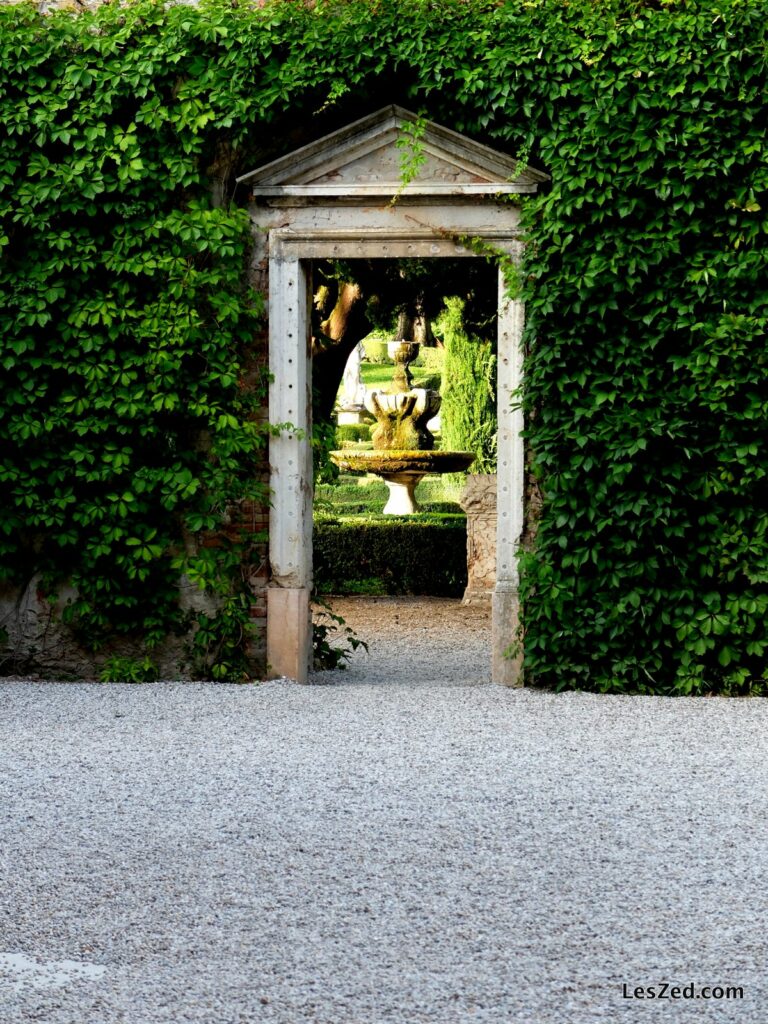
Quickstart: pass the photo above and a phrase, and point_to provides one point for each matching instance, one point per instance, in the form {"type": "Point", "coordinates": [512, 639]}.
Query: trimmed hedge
{"type": "Point", "coordinates": [346, 505]}
{"type": "Point", "coordinates": [375, 350]}
{"type": "Point", "coordinates": [432, 359]}
{"type": "Point", "coordinates": [433, 382]}
{"type": "Point", "coordinates": [345, 432]}
{"type": "Point", "coordinates": [391, 555]}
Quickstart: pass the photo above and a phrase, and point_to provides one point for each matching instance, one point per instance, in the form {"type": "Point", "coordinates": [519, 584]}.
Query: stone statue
{"type": "Point", "coordinates": [352, 409]}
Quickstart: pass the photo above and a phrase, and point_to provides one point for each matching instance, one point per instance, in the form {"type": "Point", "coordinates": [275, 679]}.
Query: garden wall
{"type": "Point", "coordinates": [132, 403]}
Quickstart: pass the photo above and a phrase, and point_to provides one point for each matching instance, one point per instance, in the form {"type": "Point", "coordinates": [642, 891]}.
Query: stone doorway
{"type": "Point", "coordinates": [345, 197]}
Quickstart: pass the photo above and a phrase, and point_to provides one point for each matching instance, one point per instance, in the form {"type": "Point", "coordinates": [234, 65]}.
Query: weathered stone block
{"type": "Point", "coordinates": [478, 500]}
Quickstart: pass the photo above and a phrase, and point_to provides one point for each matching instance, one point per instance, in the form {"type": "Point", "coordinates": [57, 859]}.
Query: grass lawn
{"type": "Point", "coordinates": [379, 375]}
{"type": "Point", "coordinates": [376, 375]}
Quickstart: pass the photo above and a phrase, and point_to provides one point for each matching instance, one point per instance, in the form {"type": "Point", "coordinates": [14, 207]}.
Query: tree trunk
{"type": "Point", "coordinates": [423, 333]}
{"type": "Point", "coordinates": [413, 324]}
{"type": "Point", "coordinates": [331, 348]}
{"type": "Point", "coordinates": [405, 325]}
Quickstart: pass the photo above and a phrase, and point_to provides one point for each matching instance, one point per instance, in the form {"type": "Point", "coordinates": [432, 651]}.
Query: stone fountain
{"type": "Point", "coordinates": [403, 447]}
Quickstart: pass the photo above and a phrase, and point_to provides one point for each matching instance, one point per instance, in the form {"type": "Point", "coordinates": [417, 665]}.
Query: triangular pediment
{"type": "Point", "coordinates": [393, 151]}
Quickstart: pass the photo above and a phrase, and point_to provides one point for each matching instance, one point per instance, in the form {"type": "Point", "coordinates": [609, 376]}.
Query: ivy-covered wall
{"type": "Point", "coordinates": [131, 394]}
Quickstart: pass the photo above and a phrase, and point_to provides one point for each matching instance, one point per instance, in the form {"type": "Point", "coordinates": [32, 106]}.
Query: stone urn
{"type": "Point", "coordinates": [402, 354]}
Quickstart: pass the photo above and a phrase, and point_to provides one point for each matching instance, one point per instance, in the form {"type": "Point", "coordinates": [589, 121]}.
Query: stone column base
{"type": "Point", "coordinates": [478, 500]}
{"type": "Point", "coordinates": [505, 622]}
{"type": "Point", "coordinates": [289, 633]}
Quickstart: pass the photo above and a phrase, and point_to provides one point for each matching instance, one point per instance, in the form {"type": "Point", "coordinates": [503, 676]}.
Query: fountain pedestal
{"type": "Point", "coordinates": [402, 499]}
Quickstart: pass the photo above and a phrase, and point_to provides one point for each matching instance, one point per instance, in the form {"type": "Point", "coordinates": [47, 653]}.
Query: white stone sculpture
{"type": "Point", "coordinates": [351, 409]}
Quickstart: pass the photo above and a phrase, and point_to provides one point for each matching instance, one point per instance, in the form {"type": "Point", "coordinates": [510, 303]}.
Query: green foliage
{"type": "Point", "coordinates": [129, 670]}
{"type": "Point", "coordinates": [412, 154]}
{"type": "Point", "coordinates": [645, 396]}
{"type": "Point", "coordinates": [333, 641]}
{"type": "Point", "coordinates": [424, 554]}
{"type": "Point", "coordinates": [127, 421]}
{"type": "Point", "coordinates": [220, 639]}
{"type": "Point", "coordinates": [323, 443]}
{"type": "Point", "coordinates": [346, 432]}
{"type": "Point", "coordinates": [376, 350]}
{"type": "Point", "coordinates": [128, 394]}
{"type": "Point", "coordinates": [468, 412]}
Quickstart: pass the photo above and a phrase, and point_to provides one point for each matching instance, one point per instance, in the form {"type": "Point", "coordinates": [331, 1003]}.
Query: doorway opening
{"type": "Point", "coordinates": [402, 333]}
{"type": "Point", "coordinates": [349, 196]}
{"type": "Point", "coordinates": [398, 341]}
{"type": "Point", "coordinates": [289, 636]}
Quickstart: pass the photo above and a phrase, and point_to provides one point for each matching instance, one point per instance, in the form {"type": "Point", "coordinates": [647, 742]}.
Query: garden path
{"type": "Point", "coordinates": [415, 640]}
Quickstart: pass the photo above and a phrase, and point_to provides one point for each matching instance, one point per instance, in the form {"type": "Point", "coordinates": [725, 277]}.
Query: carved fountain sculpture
{"type": "Point", "coordinates": [403, 447]}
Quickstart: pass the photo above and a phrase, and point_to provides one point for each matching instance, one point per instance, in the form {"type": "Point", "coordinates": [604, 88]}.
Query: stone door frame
{"type": "Point", "coordinates": [289, 629]}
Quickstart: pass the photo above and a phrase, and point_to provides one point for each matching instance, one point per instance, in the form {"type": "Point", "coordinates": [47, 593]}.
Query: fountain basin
{"type": "Point", "coordinates": [402, 471]}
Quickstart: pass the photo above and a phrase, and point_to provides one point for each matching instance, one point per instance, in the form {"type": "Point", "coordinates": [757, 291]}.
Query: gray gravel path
{"type": "Point", "coordinates": [361, 854]}
{"type": "Point", "coordinates": [415, 640]}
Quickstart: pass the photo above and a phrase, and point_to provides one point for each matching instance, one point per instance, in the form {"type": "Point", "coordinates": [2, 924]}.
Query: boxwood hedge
{"type": "Point", "coordinates": [376, 554]}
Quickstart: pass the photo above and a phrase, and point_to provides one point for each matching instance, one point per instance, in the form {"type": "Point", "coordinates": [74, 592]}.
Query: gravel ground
{"type": "Point", "coordinates": [415, 640]}
{"type": "Point", "coordinates": [359, 853]}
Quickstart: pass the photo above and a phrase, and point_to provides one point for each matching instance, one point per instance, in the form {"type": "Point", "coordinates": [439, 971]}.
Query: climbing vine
{"type": "Point", "coordinates": [646, 391]}
{"type": "Point", "coordinates": [128, 421]}
{"type": "Point", "coordinates": [131, 388]}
